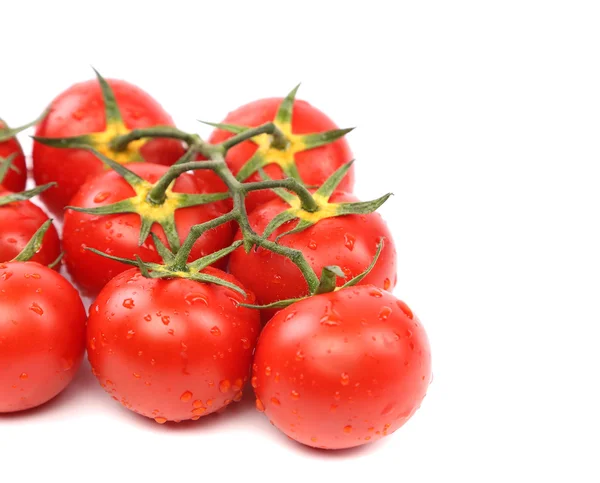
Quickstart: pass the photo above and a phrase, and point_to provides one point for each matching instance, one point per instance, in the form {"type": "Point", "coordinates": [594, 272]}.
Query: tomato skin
{"type": "Point", "coordinates": [20, 220]}
{"type": "Point", "coordinates": [342, 369]}
{"type": "Point", "coordinates": [347, 241]}
{"type": "Point", "coordinates": [13, 181]}
{"type": "Point", "coordinates": [42, 335]}
{"type": "Point", "coordinates": [118, 234]}
{"type": "Point", "coordinates": [80, 110]}
{"type": "Point", "coordinates": [171, 349]}
{"type": "Point", "coordinates": [314, 165]}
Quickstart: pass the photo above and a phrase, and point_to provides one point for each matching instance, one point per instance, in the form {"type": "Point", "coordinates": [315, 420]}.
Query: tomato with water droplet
{"type": "Point", "coordinates": [20, 220]}
{"type": "Point", "coordinates": [80, 110]}
{"type": "Point", "coordinates": [42, 335]}
{"type": "Point", "coordinates": [348, 241]}
{"type": "Point", "coordinates": [177, 358]}
{"type": "Point", "coordinates": [120, 237]}
{"type": "Point", "coordinates": [314, 165]}
{"type": "Point", "coordinates": [359, 382]}
{"type": "Point", "coordinates": [15, 179]}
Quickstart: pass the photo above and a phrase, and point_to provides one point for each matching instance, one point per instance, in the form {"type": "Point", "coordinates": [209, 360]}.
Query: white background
{"type": "Point", "coordinates": [482, 117]}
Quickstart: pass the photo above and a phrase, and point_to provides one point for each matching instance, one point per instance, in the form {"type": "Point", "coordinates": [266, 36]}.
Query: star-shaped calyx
{"type": "Point", "coordinates": [327, 283]}
{"type": "Point", "coordinates": [281, 148]}
{"type": "Point", "coordinates": [5, 165]}
{"type": "Point", "coordinates": [325, 209]}
{"type": "Point", "coordinates": [175, 265]}
{"type": "Point", "coordinates": [101, 141]}
{"type": "Point", "coordinates": [154, 203]}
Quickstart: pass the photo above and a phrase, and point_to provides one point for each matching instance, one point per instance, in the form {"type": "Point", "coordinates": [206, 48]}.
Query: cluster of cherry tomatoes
{"type": "Point", "coordinates": [331, 370]}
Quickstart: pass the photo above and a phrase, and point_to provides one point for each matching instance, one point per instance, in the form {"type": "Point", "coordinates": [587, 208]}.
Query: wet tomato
{"type": "Point", "coordinates": [342, 369]}
{"type": "Point", "coordinates": [171, 349]}
{"type": "Point", "coordinates": [118, 234]}
{"type": "Point", "coordinates": [15, 179]}
{"type": "Point", "coordinates": [314, 165]}
{"type": "Point", "coordinates": [42, 334]}
{"type": "Point", "coordinates": [349, 241]}
{"type": "Point", "coordinates": [19, 221]}
{"type": "Point", "coordinates": [82, 110]}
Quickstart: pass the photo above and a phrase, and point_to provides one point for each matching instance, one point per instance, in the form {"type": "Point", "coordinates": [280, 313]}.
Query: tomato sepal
{"type": "Point", "coordinates": [25, 195]}
{"type": "Point", "coordinates": [154, 203]}
{"type": "Point", "coordinates": [327, 283]}
{"type": "Point", "coordinates": [281, 146]}
{"type": "Point", "coordinates": [34, 244]}
{"type": "Point", "coordinates": [7, 133]}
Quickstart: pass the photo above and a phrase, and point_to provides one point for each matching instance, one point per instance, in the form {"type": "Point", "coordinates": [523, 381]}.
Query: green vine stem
{"type": "Point", "coordinates": [176, 262]}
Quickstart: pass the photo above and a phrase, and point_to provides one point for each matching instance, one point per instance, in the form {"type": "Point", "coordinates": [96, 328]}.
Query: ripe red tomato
{"type": "Point", "coordinates": [342, 369]}
{"type": "Point", "coordinates": [118, 234]}
{"type": "Point", "coordinates": [15, 179]}
{"type": "Point", "coordinates": [42, 335]}
{"type": "Point", "coordinates": [348, 241]}
{"type": "Point", "coordinates": [81, 110]}
{"type": "Point", "coordinates": [314, 165]}
{"type": "Point", "coordinates": [20, 220]}
{"type": "Point", "coordinates": [171, 349]}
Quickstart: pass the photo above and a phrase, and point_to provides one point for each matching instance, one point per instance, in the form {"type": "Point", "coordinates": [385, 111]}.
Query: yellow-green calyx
{"type": "Point", "coordinates": [281, 147]}
{"type": "Point", "coordinates": [154, 203]}
{"type": "Point", "coordinates": [102, 141]}
{"type": "Point", "coordinates": [325, 209]}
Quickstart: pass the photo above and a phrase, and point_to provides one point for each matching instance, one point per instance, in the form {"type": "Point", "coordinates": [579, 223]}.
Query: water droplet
{"type": "Point", "coordinates": [224, 385]}
{"type": "Point", "coordinates": [260, 406]}
{"type": "Point", "coordinates": [295, 395]}
{"type": "Point", "coordinates": [36, 309]}
{"type": "Point", "coordinates": [331, 318]}
{"type": "Point", "coordinates": [312, 245]}
{"type": "Point", "coordinates": [130, 334]}
{"type": "Point", "coordinates": [375, 293]}
{"type": "Point", "coordinates": [215, 331]}
{"type": "Point", "coordinates": [77, 115]}
{"type": "Point", "coordinates": [197, 403]}
{"type": "Point", "coordinates": [147, 317]}
{"type": "Point", "coordinates": [405, 309]}
{"type": "Point", "coordinates": [128, 303]}
{"type": "Point", "coordinates": [349, 241]}
{"type": "Point", "coordinates": [345, 379]}
{"type": "Point", "coordinates": [198, 411]}
{"type": "Point", "coordinates": [388, 409]}
{"type": "Point", "coordinates": [160, 420]}
{"type": "Point", "coordinates": [384, 313]}
{"type": "Point", "coordinates": [313, 439]}
{"type": "Point", "coordinates": [186, 397]}
{"type": "Point", "coordinates": [193, 298]}
{"type": "Point", "coordinates": [299, 355]}
{"type": "Point", "coordinates": [102, 196]}
{"type": "Point", "coordinates": [136, 375]}
{"type": "Point", "coordinates": [23, 376]}
{"type": "Point", "coordinates": [268, 371]}
{"type": "Point", "coordinates": [6, 275]}
{"type": "Point", "coordinates": [238, 396]}
{"type": "Point", "coordinates": [386, 284]}
{"type": "Point", "coordinates": [275, 401]}
{"type": "Point", "coordinates": [165, 319]}
{"type": "Point", "coordinates": [245, 343]}
{"type": "Point", "coordinates": [347, 429]}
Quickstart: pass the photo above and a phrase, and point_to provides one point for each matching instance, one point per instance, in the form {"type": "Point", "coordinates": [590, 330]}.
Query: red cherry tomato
{"type": "Point", "coordinates": [15, 180]}
{"type": "Point", "coordinates": [342, 369]}
{"type": "Point", "coordinates": [314, 165]}
{"type": "Point", "coordinates": [118, 234]}
{"type": "Point", "coordinates": [42, 335]}
{"type": "Point", "coordinates": [19, 220]}
{"type": "Point", "coordinates": [171, 349]}
{"type": "Point", "coordinates": [80, 110]}
{"type": "Point", "coordinates": [348, 241]}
